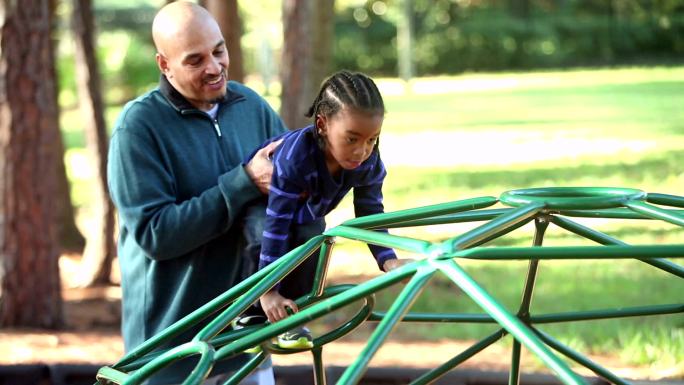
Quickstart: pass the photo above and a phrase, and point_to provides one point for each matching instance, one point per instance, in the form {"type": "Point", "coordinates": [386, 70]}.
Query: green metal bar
{"type": "Point", "coordinates": [439, 371]}
{"type": "Point", "coordinates": [216, 342]}
{"type": "Point", "coordinates": [585, 231]}
{"type": "Point", "coordinates": [608, 313]}
{"type": "Point", "coordinates": [318, 368]}
{"type": "Point", "coordinates": [579, 358]}
{"type": "Point", "coordinates": [605, 239]}
{"type": "Point", "coordinates": [617, 213]}
{"type": "Point", "coordinates": [568, 198]}
{"type": "Point", "coordinates": [428, 317]}
{"type": "Point", "coordinates": [380, 238]}
{"type": "Point", "coordinates": [200, 314]}
{"type": "Point", "coordinates": [467, 216]}
{"type": "Point", "coordinates": [246, 369]}
{"type": "Point", "coordinates": [400, 306]}
{"type": "Point", "coordinates": [199, 373]}
{"type": "Point", "coordinates": [576, 252]}
{"type": "Point", "coordinates": [502, 232]}
{"type": "Point", "coordinates": [350, 325]}
{"type": "Point", "coordinates": [320, 309]}
{"type": "Point", "coordinates": [490, 228]}
{"type": "Point", "coordinates": [512, 324]}
{"type": "Point", "coordinates": [541, 223]}
{"type": "Point", "coordinates": [293, 259]}
{"type": "Point", "coordinates": [386, 219]}
{"type": "Point", "coordinates": [514, 374]}
{"type": "Point", "coordinates": [665, 199]}
{"type": "Point", "coordinates": [655, 212]}
{"type": "Point", "coordinates": [322, 267]}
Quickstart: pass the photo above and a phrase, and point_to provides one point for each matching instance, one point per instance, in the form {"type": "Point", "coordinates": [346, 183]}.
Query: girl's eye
{"type": "Point", "coordinates": [351, 140]}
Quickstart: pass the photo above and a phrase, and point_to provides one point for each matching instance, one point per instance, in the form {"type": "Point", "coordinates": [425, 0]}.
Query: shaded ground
{"type": "Point", "coordinates": [92, 337]}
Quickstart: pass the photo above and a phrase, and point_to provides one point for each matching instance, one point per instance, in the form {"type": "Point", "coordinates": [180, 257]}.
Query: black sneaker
{"type": "Point", "coordinates": [250, 320]}
{"type": "Point", "coordinates": [297, 338]}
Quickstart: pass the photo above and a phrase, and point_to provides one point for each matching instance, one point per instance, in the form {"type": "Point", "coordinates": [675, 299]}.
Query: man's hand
{"type": "Point", "coordinates": [274, 305]}
{"type": "Point", "coordinates": [260, 167]}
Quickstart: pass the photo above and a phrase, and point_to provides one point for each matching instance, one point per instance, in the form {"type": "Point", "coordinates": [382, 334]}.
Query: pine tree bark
{"type": "Point", "coordinates": [228, 18]}
{"type": "Point", "coordinates": [307, 32]}
{"type": "Point", "coordinates": [30, 293]}
{"type": "Point", "coordinates": [100, 248]}
{"type": "Point", "coordinates": [70, 237]}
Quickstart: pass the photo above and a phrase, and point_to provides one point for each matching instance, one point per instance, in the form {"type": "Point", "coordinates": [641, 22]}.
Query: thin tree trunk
{"type": "Point", "coordinates": [306, 56]}
{"type": "Point", "coordinates": [226, 14]}
{"type": "Point", "coordinates": [29, 271]}
{"type": "Point", "coordinates": [100, 250]}
{"type": "Point", "coordinates": [70, 237]}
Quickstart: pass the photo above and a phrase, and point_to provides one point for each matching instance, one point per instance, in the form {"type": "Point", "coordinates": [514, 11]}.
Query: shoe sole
{"type": "Point", "coordinates": [301, 343]}
{"type": "Point", "coordinates": [254, 350]}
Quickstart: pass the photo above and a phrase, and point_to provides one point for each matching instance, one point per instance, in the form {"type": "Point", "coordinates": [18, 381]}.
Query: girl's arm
{"type": "Point", "coordinates": [367, 201]}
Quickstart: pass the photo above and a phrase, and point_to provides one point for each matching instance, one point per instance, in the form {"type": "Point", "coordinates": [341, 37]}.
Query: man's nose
{"type": "Point", "coordinates": [214, 66]}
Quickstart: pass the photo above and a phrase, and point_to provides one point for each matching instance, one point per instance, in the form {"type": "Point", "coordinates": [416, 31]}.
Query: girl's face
{"type": "Point", "coordinates": [349, 136]}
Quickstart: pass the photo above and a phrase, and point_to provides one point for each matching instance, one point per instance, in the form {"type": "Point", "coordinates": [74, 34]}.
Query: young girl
{"type": "Point", "coordinates": [314, 168]}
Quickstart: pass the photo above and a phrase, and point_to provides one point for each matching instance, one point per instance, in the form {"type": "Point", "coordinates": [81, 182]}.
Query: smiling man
{"type": "Point", "coordinates": [177, 179]}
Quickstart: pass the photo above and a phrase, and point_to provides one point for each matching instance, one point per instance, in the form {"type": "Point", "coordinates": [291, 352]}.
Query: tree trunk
{"type": "Point", "coordinates": [100, 250]}
{"type": "Point", "coordinates": [70, 237]}
{"type": "Point", "coordinates": [307, 32]}
{"type": "Point", "coordinates": [29, 272]}
{"type": "Point", "coordinates": [226, 14]}
{"type": "Point", "coordinates": [405, 41]}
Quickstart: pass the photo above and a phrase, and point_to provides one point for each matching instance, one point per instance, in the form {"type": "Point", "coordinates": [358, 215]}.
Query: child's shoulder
{"type": "Point", "coordinates": [297, 139]}
{"type": "Point", "coordinates": [294, 153]}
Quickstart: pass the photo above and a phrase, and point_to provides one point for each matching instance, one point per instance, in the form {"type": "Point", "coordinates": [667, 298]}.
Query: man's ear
{"type": "Point", "coordinates": [163, 64]}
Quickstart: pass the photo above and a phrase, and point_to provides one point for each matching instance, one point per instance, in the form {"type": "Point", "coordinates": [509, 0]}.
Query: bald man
{"type": "Point", "coordinates": [176, 178]}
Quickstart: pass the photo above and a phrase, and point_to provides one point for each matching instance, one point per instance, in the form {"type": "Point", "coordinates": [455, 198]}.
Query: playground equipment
{"type": "Point", "coordinates": [542, 206]}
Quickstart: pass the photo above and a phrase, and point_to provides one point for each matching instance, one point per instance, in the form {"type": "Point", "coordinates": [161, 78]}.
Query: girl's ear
{"type": "Point", "coordinates": [321, 124]}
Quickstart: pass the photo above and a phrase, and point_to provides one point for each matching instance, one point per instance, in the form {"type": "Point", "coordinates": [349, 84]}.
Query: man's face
{"type": "Point", "coordinates": [196, 63]}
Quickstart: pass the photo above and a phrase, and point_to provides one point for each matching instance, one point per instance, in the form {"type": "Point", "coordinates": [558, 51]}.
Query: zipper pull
{"type": "Point", "coordinates": [216, 127]}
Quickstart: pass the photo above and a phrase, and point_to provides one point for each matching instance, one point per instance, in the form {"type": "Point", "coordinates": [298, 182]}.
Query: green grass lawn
{"type": "Point", "coordinates": [481, 134]}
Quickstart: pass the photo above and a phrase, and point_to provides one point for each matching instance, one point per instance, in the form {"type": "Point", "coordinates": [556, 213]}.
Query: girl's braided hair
{"type": "Point", "coordinates": [345, 89]}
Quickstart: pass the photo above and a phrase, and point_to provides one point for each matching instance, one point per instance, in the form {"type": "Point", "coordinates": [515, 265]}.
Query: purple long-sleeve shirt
{"type": "Point", "coordinates": [303, 190]}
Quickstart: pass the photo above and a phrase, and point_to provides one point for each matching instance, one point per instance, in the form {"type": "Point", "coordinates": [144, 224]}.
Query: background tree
{"type": "Point", "coordinates": [29, 271]}
{"type": "Point", "coordinates": [100, 250]}
{"type": "Point", "coordinates": [405, 41]}
{"type": "Point", "coordinates": [70, 237]}
{"type": "Point", "coordinates": [307, 53]}
{"type": "Point", "coordinates": [226, 14]}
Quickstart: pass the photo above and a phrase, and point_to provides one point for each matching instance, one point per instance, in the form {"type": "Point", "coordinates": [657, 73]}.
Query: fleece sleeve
{"type": "Point", "coordinates": [143, 190]}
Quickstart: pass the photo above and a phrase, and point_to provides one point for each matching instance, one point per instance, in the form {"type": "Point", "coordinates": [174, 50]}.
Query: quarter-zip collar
{"type": "Point", "coordinates": [180, 103]}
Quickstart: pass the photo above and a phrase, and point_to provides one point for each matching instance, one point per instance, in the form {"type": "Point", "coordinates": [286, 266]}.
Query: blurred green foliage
{"type": "Point", "coordinates": [457, 36]}
{"type": "Point", "coordinates": [450, 37]}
